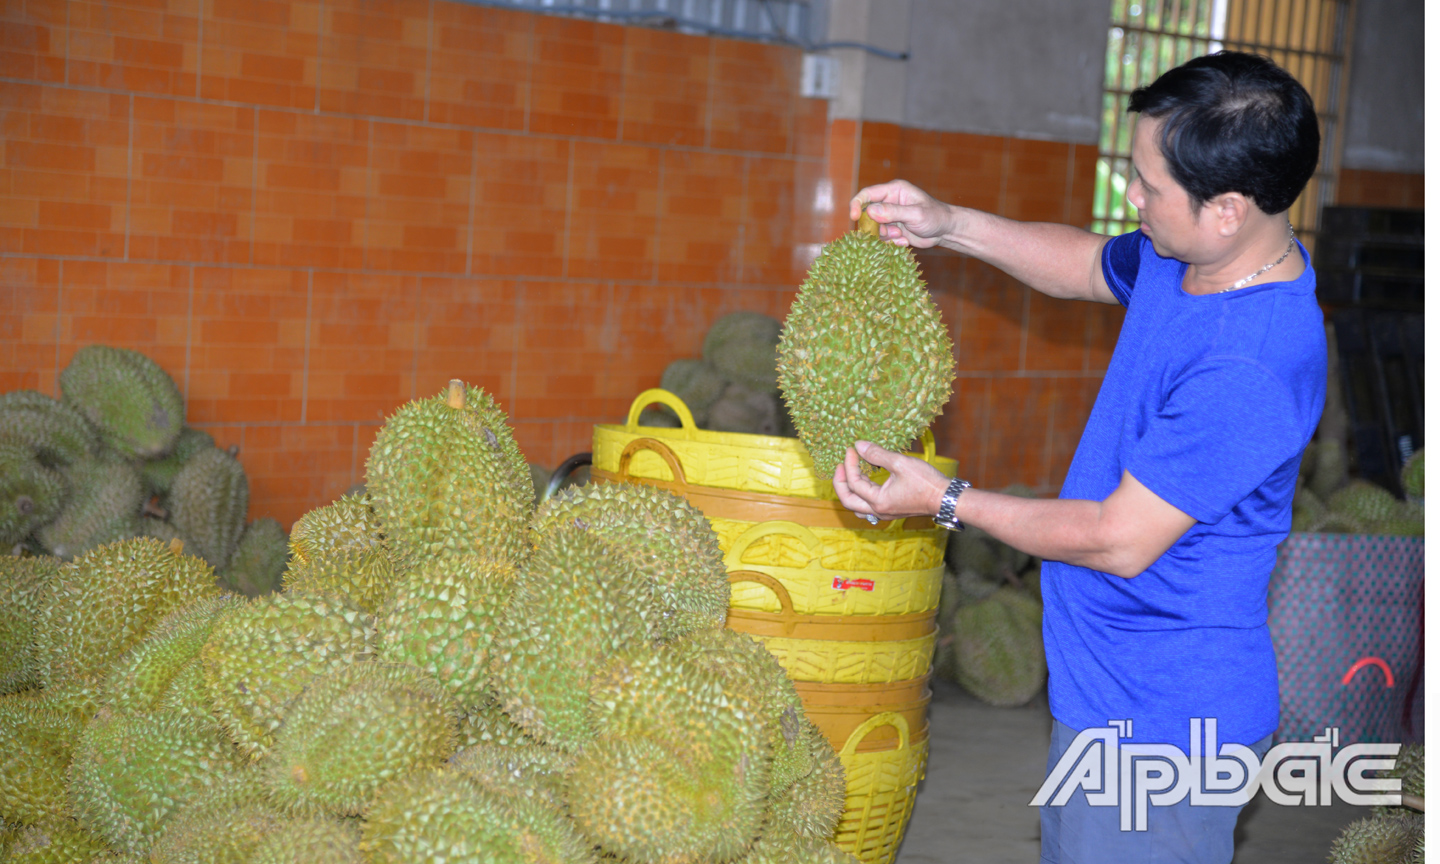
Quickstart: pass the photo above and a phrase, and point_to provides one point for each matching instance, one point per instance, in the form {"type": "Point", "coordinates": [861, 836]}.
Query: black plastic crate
{"type": "Point", "coordinates": [1382, 368]}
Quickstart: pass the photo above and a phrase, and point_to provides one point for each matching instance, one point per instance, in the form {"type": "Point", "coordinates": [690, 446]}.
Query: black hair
{"type": "Point", "coordinates": [1234, 122]}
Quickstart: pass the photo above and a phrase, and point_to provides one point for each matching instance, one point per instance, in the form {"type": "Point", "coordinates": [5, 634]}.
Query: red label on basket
{"type": "Point", "coordinates": [843, 584]}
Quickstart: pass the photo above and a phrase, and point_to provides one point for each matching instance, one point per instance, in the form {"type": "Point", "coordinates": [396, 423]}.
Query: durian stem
{"type": "Point", "coordinates": [868, 225]}
{"type": "Point", "coordinates": [1413, 802]}
{"type": "Point", "coordinates": [177, 546]}
{"type": "Point", "coordinates": [456, 397]}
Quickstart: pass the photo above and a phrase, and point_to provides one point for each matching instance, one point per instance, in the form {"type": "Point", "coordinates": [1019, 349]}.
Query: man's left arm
{"type": "Point", "coordinates": [1123, 534]}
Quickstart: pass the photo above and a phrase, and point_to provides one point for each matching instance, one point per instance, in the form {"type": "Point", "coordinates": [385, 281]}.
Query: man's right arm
{"type": "Point", "coordinates": [1058, 260]}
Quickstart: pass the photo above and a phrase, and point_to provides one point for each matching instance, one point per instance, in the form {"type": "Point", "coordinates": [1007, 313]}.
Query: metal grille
{"type": "Point", "coordinates": [786, 21]}
{"type": "Point", "coordinates": [1306, 37]}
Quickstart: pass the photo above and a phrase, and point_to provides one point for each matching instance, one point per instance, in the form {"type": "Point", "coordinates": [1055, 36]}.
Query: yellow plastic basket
{"type": "Point", "coordinates": [832, 649]}
{"type": "Point", "coordinates": [817, 590]}
{"type": "Point", "coordinates": [735, 505]}
{"type": "Point", "coordinates": [892, 548]}
{"type": "Point", "coordinates": [839, 709]}
{"type": "Point", "coordinates": [724, 460]}
{"type": "Point", "coordinates": [880, 786]}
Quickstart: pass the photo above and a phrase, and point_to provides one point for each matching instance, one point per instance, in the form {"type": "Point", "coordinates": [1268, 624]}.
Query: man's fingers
{"type": "Point", "coordinates": [879, 456]}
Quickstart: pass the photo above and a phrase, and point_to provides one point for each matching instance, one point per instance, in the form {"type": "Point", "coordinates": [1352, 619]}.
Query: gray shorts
{"type": "Point", "coordinates": [1077, 833]}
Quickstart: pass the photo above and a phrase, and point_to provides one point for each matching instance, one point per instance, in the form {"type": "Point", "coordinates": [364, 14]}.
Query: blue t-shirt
{"type": "Point", "coordinates": [1209, 402]}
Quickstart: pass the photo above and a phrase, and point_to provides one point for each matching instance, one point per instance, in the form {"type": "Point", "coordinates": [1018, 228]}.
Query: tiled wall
{"type": "Point", "coordinates": [311, 212]}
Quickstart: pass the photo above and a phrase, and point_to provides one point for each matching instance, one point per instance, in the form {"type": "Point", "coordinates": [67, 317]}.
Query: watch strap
{"type": "Point", "coordinates": [946, 517]}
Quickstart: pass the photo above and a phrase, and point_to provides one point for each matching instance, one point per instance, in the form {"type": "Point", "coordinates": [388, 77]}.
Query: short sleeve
{"type": "Point", "coordinates": [1224, 428]}
{"type": "Point", "coordinates": [1120, 261]}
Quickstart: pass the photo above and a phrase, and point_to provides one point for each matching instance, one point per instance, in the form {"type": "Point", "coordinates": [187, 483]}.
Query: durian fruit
{"type": "Point", "coordinates": [144, 676]}
{"type": "Point", "coordinates": [1332, 467]}
{"type": "Point", "coordinates": [782, 847]}
{"type": "Point", "coordinates": [539, 478]}
{"type": "Point", "coordinates": [641, 804]}
{"type": "Point", "coordinates": [37, 740]}
{"type": "Point", "coordinates": [224, 824]}
{"type": "Point", "coordinates": [131, 772]}
{"type": "Point", "coordinates": [1407, 521]}
{"type": "Point", "coordinates": [752, 673]}
{"type": "Point", "coordinates": [339, 548]}
{"type": "Point", "coordinates": [1379, 840]}
{"type": "Point", "coordinates": [575, 604]}
{"type": "Point", "coordinates": [23, 583]}
{"type": "Point", "coordinates": [353, 730]}
{"type": "Point", "coordinates": [1410, 768]}
{"type": "Point", "coordinates": [526, 769]}
{"type": "Point", "coordinates": [258, 565]}
{"type": "Point", "coordinates": [263, 652]}
{"type": "Point", "coordinates": [1412, 476]}
{"type": "Point", "coordinates": [159, 474]}
{"type": "Point", "coordinates": [1365, 502]}
{"type": "Point", "coordinates": [133, 403]}
{"type": "Point", "coordinates": [445, 474]}
{"type": "Point", "coordinates": [751, 412]}
{"type": "Point", "coordinates": [999, 653]}
{"type": "Point", "coordinates": [681, 745]}
{"type": "Point", "coordinates": [742, 347]}
{"type": "Point", "coordinates": [1338, 523]}
{"type": "Point", "coordinates": [446, 816]}
{"type": "Point", "coordinates": [664, 538]}
{"type": "Point", "coordinates": [208, 501]}
{"type": "Point", "coordinates": [31, 494]}
{"type": "Point", "coordinates": [54, 432]}
{"type": "Point", "coordinates": [57, 841]}
{"type": "Point", "coordinates": [107, 601]}
{"type": "Point", "coordinates": [442, 618]}
{"type": "Point", "coordinates": [313, 840]}
{"type": "Point", "coordinates": [1306, 510]}
{"type": "Point", "coordinates": [699, 385]}
{"type": "Point", "coordinates": [104, 506]}
{"type": "Point", "coordinates": [863, 354]}
{"type": "Point", "coordinates": [662, 418]}
{"type": "Point", "coordinates": [488, 724]}
{"type": "Point", "coordinates": [812, 805]}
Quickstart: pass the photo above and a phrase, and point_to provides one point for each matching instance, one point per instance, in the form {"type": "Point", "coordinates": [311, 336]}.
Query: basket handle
{"type": "Point", "coordinates": [669, 400]}
{"type": "Point", "coordinates": [769, 529]}
{"type": "Point", "coordinates": [787, 609]}
{"type": "Point", "coordinates": [887, 718]}
{"type": "Point", "coordinates": [927, 445]}
{"type": "Point", "coordinates": [677, 483]}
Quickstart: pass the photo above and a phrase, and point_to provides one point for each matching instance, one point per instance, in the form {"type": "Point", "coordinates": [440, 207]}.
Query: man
{"type": "Point", "coordinates": [1158, 552]}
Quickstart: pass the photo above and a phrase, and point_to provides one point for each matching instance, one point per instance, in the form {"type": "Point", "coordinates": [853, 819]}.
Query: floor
{"type": "Point", "coordinates": [986, 763]}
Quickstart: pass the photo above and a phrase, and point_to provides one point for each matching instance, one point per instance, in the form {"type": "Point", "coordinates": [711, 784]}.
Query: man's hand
{"type": "Point", "coordinates": [913, 488]}
{"type": "Point", "coordinates": [906, 216]}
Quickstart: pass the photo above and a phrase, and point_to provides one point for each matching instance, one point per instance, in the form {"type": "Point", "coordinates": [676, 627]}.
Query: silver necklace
{"type": "Point", "coordinates": [1268, 267]}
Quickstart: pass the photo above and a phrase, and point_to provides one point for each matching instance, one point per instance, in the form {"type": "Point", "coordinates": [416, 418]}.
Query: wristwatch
{"type": "Point", "coordinates": [946, 517]}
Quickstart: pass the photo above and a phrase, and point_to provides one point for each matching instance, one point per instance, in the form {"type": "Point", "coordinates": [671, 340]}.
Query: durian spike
{"type": "Point", "coordinates": [455, 398]}
{"type": "Point", "coordinates": [867, 225]}
{"type": "Point", "coordinates": [177, 546]}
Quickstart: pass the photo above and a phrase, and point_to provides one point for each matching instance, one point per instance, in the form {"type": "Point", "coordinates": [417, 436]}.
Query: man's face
{"type": "Point", "coordinates": [1165, 213]}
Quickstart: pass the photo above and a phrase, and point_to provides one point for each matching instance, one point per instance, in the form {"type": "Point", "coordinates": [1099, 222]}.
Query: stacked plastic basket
{"type": "Point", "coordinates": [848, 608]}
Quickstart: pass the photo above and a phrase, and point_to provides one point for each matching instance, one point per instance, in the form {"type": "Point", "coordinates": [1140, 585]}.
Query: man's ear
{"type": "Point", "coordinates": [1231, 210]}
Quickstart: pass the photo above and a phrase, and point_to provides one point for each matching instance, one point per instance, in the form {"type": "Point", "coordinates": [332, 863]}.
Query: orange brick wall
{"type": "Point", "coordinates": [1380, 189]}
{"type": "Point", "coordinates": [311, 212]}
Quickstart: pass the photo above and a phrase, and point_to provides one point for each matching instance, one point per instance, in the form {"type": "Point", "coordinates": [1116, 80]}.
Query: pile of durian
{"type": "Point", "coordinates": [1328, 501]}
{"type": "Point", "coordinates": [1390, 835]}
{"type": "Point", "coordinates": [989, 639]}
{"type": "Point", "coordinates": [732, 386]}
{"type": "Point", "coordinates": [449, 675]}
{"type": "Point", "coordinates": [113, 459]}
